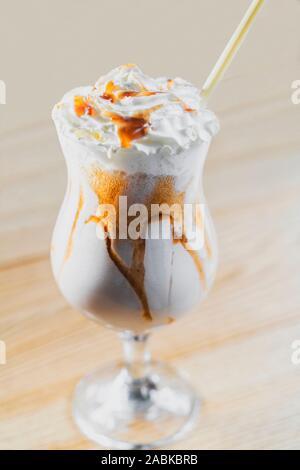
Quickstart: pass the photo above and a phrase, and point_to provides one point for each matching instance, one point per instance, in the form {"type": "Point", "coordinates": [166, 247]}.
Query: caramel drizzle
{"type": "Point", "coordinates": [135, 275]}
{"type": "Point", "coordinates": [200, 225]}
{"type": "Point", "coordinates": [113, 97]}
{"type": "Point", "coordinates": [165, 192]}
{"type": "Point", "coordinates": [193, 253]}
{"type": "Point", "coordinates": [170, 84]}
{"type": "Point", "coordinates": [69, 248]}
{"type": "Point", "coordinates": [132, 127]}
{"type": "Point", "coordinates": [188, 110]}
{"type": "Point", "coordinates": [136, 94]}
{"type": "Point", "coordinates": [170, 320]}
{"type": "Point", "coordinates": [196, 258]}
{"type": "Point", "coordinates": [108, 187]}
{"type": "Point", "coordinates": [83, 107]}
{"type": "Point", "coordinates": [109, 92]}
{"type": "Point", "coordinates": [129, 127]}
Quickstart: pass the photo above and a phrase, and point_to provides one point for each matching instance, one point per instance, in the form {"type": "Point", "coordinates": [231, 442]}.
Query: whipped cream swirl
{"type": "Point", "coordinates": [128, 110]}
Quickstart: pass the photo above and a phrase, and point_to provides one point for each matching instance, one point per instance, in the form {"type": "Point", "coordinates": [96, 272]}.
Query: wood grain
{"type": "Point", "coordinates": [236, 350]}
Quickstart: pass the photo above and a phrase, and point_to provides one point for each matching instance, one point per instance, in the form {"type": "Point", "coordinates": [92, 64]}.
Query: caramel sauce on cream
{"type": "Point", "coordinates": [83, 107]}
{"type": "Point", "coordinates": [131, 127]}
{"type": "Point", "coordinates": [114, 94]}
{"type": "Point", "coordinates": [109, 92]}
{"type": "Point", "coordinates": [136, 94]}
{"type": "Point", "coordinates": [189, 110]}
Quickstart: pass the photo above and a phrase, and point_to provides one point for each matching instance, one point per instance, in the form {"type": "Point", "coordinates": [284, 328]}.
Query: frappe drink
{"type": "Point", "coordinates": [134, 146]}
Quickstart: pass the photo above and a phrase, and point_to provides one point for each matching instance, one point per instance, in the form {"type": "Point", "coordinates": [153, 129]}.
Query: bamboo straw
{"type": "Point", "coordinates": [231, 49]}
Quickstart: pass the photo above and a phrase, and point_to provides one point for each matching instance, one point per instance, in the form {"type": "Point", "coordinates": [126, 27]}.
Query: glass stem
{"type": "Point", "coordinates": [137, 357]}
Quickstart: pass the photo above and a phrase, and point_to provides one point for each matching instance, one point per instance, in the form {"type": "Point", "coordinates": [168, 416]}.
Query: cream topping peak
{"type": "Point", "coordinates": [126, 109]}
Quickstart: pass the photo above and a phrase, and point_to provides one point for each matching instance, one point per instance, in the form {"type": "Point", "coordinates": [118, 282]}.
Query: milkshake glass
{"type": "Point", "coordinates": [122, 251]}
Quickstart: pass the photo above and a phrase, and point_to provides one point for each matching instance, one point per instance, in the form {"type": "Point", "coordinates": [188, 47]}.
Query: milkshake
{"type": "Point", "coordinates": [132, 140]}
{"type": "Point", "coordinates": [133, 144]}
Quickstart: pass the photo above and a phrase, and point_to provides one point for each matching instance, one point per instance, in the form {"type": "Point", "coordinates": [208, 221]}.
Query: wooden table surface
{"type": "Point", "coordinates": [236, 349]}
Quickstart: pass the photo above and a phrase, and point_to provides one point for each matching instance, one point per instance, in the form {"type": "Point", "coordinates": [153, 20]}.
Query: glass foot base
{"type": "Point", "coordinates": [114, 409]}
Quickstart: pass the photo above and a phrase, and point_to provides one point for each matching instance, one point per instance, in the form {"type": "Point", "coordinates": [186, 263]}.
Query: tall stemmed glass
{"type": "Point", "coordinates": [133, 285]}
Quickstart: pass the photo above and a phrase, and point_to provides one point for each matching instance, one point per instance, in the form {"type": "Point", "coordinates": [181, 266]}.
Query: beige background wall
{"type": "Point", "coordinates": [48, 47]}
